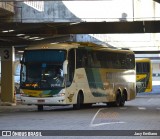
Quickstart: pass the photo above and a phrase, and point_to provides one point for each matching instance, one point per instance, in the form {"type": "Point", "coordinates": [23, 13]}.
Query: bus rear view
{"type": "Point", "coordinates": [143, 75]}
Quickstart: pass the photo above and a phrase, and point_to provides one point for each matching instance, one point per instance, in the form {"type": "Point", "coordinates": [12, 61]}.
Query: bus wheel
{"type": "Point", "coordinates": [118, 100]}
{"type": "Point", "coordinates": [40, 107]}
{"type": "Point", "coordinates": [79, 102]}
{"type": "Point", "coordinates": [122, 102]}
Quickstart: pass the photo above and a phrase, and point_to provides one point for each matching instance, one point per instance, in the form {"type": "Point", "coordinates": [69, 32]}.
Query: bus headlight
{"type": "Point", "coordinates": [59, 95]}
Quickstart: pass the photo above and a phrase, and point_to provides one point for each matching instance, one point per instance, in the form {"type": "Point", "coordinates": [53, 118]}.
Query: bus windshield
{"type": "Point", "coordinates": [42, 69]}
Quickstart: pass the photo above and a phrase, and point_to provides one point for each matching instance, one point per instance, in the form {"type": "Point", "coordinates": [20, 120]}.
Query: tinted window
{"type": "Point", "coordinates": [104, 59]}
{"type": "Point", "coordinates": [44, 56]}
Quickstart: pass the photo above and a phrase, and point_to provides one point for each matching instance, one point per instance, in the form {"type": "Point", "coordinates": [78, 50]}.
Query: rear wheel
{"type": "Point", "coordinates": [118, 100]}
{"type": "Point", "coordinates": [40, 107]}
{"type": "Point", "coordinates": [123, 98]}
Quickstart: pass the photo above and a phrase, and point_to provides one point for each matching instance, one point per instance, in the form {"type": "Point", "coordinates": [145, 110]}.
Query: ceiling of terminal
{"type": "Point", "coordinates": [15, 33]}
{"type": "Point", "coordinates": [22, 34]}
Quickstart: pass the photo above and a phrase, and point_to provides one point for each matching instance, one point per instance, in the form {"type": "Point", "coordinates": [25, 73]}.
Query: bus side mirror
{"type": "Point", "coordinates": [65, 65]}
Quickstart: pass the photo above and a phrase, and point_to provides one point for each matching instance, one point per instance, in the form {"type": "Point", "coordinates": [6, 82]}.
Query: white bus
{"type": "Point", "coordinates": [80, 74]}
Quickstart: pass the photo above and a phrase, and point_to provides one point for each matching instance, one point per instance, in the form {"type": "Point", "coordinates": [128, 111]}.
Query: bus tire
{"type": "Point", "coordinates": [122, 102]}
{"type": "Point", "coordinates": [118, 100]}
{"type": "Point", "coordinates": [40, 107]}
{"type": "Point", "coordinates": [79, 103]}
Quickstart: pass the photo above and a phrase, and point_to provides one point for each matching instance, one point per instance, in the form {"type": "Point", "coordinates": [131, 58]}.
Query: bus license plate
{"type": "Point", "coordinates": [41, 101]}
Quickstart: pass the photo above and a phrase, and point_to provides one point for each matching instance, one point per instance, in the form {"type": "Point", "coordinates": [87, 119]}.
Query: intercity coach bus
{"type": "Point", "coordinates": [143, 75]}
{"type": "Point", "coordinates": [78, 73]}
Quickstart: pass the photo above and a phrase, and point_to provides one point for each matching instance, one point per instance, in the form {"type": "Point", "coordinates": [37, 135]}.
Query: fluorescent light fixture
{"type": "Point", "coordinates": [39, 39]}
{"type": "Point", "coordinates": [10, 30]}
{"type": "Point", "coordinates": [74, 23]}
{"type": "Point", "coordinates": [20, 35]}
{"type": "Point", "coordinates": [54, 43]}
{"type": "Point", "coordinates": [5, 31]}
{"type": "Point", "coordinates": [26, 37]}
{"type": "Point", "coordinates": [20, 51]}
{"type": "Point", "coordinates": [32, 38]}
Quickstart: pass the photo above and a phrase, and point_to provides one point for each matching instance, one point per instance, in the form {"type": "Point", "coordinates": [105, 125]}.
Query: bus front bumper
{"type": "Point", "coordinates": [43, 101]}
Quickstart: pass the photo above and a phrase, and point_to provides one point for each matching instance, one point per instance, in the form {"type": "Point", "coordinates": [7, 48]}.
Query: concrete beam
{"type": "Point", "coordinates": [111, 27]}
{"type": "Point", "coordinates": [84, 28]}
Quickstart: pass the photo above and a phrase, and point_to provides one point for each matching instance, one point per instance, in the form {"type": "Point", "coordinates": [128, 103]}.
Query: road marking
{"type": "Point", "coordinates": [95, 115]}
{"type": "Point", "coordinates": [109, 123]}
{"type": "Point", "coordinates": [141, 108]}
{"type": "Point", "coordinates": [150, 99]}
{"type": "Point", "coordinates": [92, 124]}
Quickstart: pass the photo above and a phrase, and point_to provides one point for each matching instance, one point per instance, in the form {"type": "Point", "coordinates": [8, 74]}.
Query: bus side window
{"type": "Point", "coordinates": [84, 60]}
{"type": "Point", "coordinates": [122, 58]}
{"type": "Point", "coordinates": [114, 60]}
{"type": "Point", "coordinates": [78, 59]}
{"type": "Point", "coordinates": [96, 60]}
{"type": "Point", "coordinates": [146, 67]}
{"type": "Point", "coordinates": [90, 60]}
{"type": "Point", "coordinates": [109, 60]}
{"type": "Point", "coordinates": [130, 60]}
{"type": "Point", "coordinates": [118, 61]}
{"type": "Point", "coordinates": [81, 58]}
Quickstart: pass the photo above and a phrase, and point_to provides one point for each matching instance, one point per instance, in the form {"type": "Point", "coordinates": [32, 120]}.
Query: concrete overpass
{"type": "Point", "coordinates": [49, 19]}
{"type": "Point", "coordinates": [52, 21]}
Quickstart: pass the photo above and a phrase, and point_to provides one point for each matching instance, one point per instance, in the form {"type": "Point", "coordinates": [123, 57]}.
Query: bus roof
{"type": "Point", "coordinates": [69, 45]}
{"type": "Point", "coordinates": [142, 60]}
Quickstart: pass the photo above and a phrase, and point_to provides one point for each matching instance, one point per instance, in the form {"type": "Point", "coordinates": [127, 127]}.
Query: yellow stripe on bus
{"type": "Point", "coordinates": [140, 77]}
{"type": "Point", "coordinates": [34, 93]}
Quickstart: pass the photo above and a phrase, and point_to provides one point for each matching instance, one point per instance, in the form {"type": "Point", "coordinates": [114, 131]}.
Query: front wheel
{"type": "Point", "coordinates": [79, 103]}
{"type": "Point", "coordinates": [122, 100]}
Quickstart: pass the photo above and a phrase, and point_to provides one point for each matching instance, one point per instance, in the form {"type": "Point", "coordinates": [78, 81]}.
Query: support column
{"type": "Point", "coordinates": [7, 75]}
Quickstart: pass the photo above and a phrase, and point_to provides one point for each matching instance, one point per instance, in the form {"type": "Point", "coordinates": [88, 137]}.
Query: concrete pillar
{"type": "Point", "coordinates": [7, 75]}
